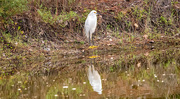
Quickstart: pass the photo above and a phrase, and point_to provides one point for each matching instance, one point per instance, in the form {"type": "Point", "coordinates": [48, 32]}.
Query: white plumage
{"type": "Point", "coordinates": [90, 25]}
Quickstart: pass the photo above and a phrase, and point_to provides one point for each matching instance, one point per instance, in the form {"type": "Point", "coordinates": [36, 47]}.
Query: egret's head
{"type": "Point", "coordinates": [93, 12]}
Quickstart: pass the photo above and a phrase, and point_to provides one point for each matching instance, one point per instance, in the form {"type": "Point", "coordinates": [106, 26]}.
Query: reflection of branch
{"type": "Point", "coordinates": [167, 95]}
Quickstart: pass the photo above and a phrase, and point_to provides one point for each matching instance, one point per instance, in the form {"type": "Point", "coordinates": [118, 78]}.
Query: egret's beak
{"type": "Point", "coordinates": [98, 13]}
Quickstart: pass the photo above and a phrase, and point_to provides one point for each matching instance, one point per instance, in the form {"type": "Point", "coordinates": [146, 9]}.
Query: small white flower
{"type": "Point", "coordinates": [155, 75]}
{"type": "Point", "coordinates": [19, 82]}
{"type": "Point", "coordinates": [110, 39]}
{"type": "Point", "coordinates": [73, 88]}
{"type": "Point", "coordinates": [16, 43]}
{"type": "Point", "coordinates": [65, 86]}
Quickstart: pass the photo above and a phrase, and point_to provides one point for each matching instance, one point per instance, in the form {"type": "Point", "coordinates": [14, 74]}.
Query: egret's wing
{"type": "Point", "coordinates": [87, 26]}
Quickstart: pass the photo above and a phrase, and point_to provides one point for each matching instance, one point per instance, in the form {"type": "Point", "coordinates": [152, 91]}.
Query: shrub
{"type": "Point", "coordinates": [12, 7]}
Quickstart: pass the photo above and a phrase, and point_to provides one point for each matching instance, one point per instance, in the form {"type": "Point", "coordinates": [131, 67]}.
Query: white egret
{"type": "Point", "coordinates": [90, 25]}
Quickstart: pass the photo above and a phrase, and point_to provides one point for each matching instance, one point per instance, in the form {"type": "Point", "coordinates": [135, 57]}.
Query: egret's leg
{"type": "Point", "coordinates": [92, 40]}
{"type": "Point", "coordinates": [89, 39]}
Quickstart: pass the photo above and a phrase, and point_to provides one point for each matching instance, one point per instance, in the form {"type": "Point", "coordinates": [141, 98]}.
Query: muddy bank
{"type": "Point", "coordinates": [36, 61]}
{"type": "Point", "coordinates": [38, 30]}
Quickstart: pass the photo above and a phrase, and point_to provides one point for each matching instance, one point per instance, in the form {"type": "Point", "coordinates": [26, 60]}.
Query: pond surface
{"type": "Point", "coordinates": [102, 74]}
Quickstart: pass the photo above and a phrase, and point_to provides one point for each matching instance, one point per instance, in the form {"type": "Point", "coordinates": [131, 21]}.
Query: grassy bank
{"type": "Point", "coordinates": [34, 29]}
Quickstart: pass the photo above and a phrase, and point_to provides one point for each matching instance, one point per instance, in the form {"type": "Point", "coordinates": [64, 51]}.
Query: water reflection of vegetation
{"type": "Point", "coordinates": [131, 74]}
{"type": "Point", "coordinates": [153, 71]}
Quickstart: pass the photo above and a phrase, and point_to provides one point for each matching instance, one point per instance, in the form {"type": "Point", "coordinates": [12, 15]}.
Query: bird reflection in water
{"type": "Point", "coordinates": [94, 79]}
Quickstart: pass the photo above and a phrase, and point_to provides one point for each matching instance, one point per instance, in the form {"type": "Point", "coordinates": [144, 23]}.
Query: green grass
{"type": "Point", "coordinates": [11, 7]}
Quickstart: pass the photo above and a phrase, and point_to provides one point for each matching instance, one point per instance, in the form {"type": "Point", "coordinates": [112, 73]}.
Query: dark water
{"type": "Point", "coordinates": [138, 74]}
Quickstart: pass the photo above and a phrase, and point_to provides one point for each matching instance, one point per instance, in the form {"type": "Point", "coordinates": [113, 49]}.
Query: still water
{"type": "Point", "coordinates": [114, 74]}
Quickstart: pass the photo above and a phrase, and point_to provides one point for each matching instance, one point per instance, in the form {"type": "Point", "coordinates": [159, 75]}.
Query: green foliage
{"type": "Point", "coordinates": [67, 16]}
{"type": "Point", "coordinates": [46, 15]}
{"type": "Point", "coordinates": [62, 19]}
{"type": "Point", "coordinates": [174, 2]}
{"type": "Point", "coordinates": [12, 7]}
{"type": "Point", "coordinates": [82, 42]}
{"type": "Point", "coordinates": [120, 15]}
{"type": "Point", "coordinates": [71, 1]}
{"type": "Point", "coordinates": [139, 13]}
{"type": "Point", "coordinates": [111, 69]}
{"type": "Point", "coordinates": [164, 20]}
{"type": "Point", "coordinates": [14, 40]}
{"type": "Point", "coordinates": [109, 27]}
{"type": "Point", "coordinates": [51, 93]}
